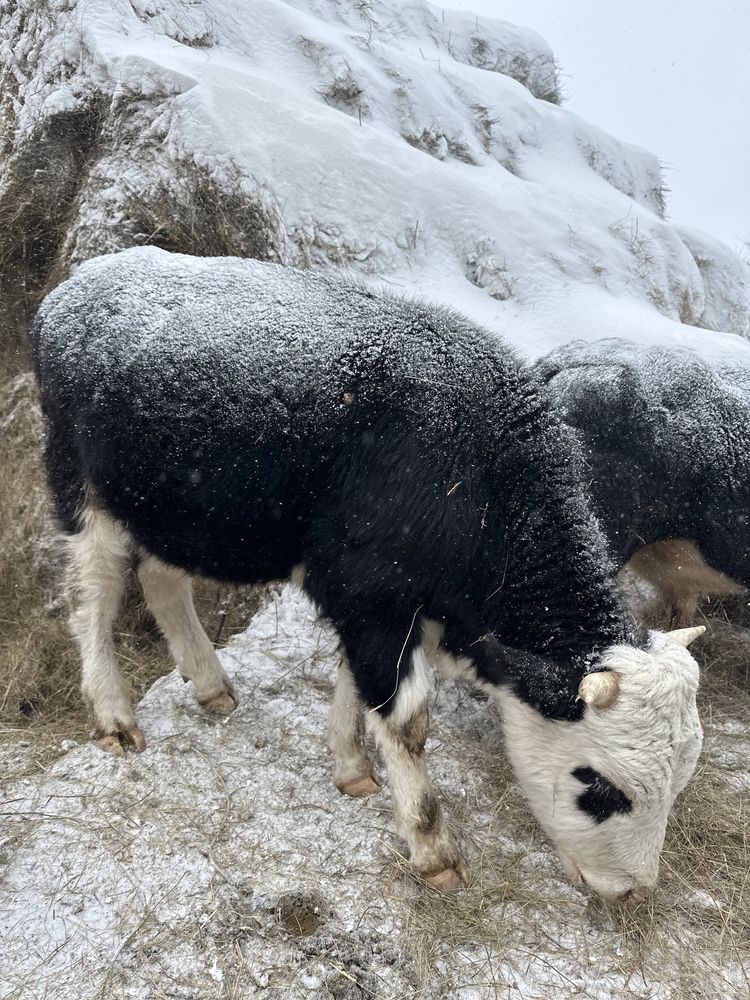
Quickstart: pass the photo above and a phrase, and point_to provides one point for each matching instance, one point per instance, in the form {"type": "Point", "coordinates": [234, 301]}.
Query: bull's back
{"type": "Point", "coordinates": [206, 400]}
{"type": "Point", "coordinates": [186, 397]}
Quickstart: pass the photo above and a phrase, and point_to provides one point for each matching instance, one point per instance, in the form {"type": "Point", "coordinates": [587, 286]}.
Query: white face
{"type": "Point", "coordinates": [602, 787]}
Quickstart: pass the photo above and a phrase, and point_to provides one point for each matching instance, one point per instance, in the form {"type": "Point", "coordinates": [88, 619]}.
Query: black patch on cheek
{"type": "Point", "coordinates": [601, 799]}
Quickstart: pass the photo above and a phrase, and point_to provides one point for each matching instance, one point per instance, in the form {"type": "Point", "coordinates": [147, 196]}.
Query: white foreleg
{"type": "Point", "coordinates": [401, 737]}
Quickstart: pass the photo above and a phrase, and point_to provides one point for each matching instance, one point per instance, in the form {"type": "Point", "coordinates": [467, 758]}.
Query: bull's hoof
{"type": "Point", "coordinates": [222, 703]}
{"type": "Point", "coordinates": [359, 788]}
{"type": "Point", "coordinates": [450, 879]}
{"type": "Point", "coordinates": [120, 739]}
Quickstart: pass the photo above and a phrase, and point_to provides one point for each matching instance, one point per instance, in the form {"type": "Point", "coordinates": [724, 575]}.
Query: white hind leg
{"type": "Point", "coordinates": [99, 556]}
{"type": "Point", "coordinates": [169, 595]}
{"type": "Point", "coordinates": [346, 738]}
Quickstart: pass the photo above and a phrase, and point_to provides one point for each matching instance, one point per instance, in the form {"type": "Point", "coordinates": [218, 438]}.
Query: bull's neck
{"type": "Point", "coordinates": [556, 609]}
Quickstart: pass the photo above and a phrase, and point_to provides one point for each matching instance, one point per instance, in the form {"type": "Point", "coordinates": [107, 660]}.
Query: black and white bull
{"type": "Point", "coordinates": [239, 419]}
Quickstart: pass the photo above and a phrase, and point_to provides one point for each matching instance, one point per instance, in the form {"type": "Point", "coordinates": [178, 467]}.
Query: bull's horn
{"type": "Point", "coordinates": [686, 635]}
{"type": "Point", "coordinates": [599, 689]}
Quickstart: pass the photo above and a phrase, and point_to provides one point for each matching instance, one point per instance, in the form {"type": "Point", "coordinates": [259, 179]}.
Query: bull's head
{"type": "Point", "coordinates": [602, 787]}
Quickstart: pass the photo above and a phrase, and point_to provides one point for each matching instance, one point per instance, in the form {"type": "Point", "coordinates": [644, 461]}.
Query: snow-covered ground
{"type": "Point", "coordinates": [413, 146]}
{"type": "Point", "coordinates": [222, 862]}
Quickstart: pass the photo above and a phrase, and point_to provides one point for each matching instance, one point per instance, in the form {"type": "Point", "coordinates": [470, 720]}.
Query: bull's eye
{"type": "Point", "coordinates": [601, 799]}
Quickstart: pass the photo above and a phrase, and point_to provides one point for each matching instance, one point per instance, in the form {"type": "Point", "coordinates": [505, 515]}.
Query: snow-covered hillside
{"type": "Point", "coordinates": [412, 144]}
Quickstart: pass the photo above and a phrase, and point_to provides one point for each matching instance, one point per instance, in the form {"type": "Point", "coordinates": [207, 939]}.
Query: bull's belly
{"type": "Point", "coordinates": [239, 538]}
{"type": "Point", "coordinates": [248, 554]}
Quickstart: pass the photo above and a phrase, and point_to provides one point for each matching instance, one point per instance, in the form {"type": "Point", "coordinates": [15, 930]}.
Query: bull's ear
{"type": "Point", "coordinates": [686, 635]}
{"type": "Point", "coordinates": [600, 689]}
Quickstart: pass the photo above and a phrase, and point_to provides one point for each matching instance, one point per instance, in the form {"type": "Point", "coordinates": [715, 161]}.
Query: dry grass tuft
{"type": "Point", "coordinates": [539, 74]}
{"type": "Point", "coordinates": [440, 145]}
{"type": "Point", "coordinates": [724, 651]}
{"type": "Point", "coordinates": [338, 86]}
{"type": "Point", "coordinates": [41, 182]}
{"type": "Point", "coordinates": [33, 638]}
{"type": "Point", "coordinates": [191, 212]}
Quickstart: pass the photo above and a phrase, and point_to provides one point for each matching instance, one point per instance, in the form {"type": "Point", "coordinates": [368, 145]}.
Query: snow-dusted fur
{"type": "Point", "coordinates": [236, 418]}
{"type": "Point", "coordinates": [667, 437]}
